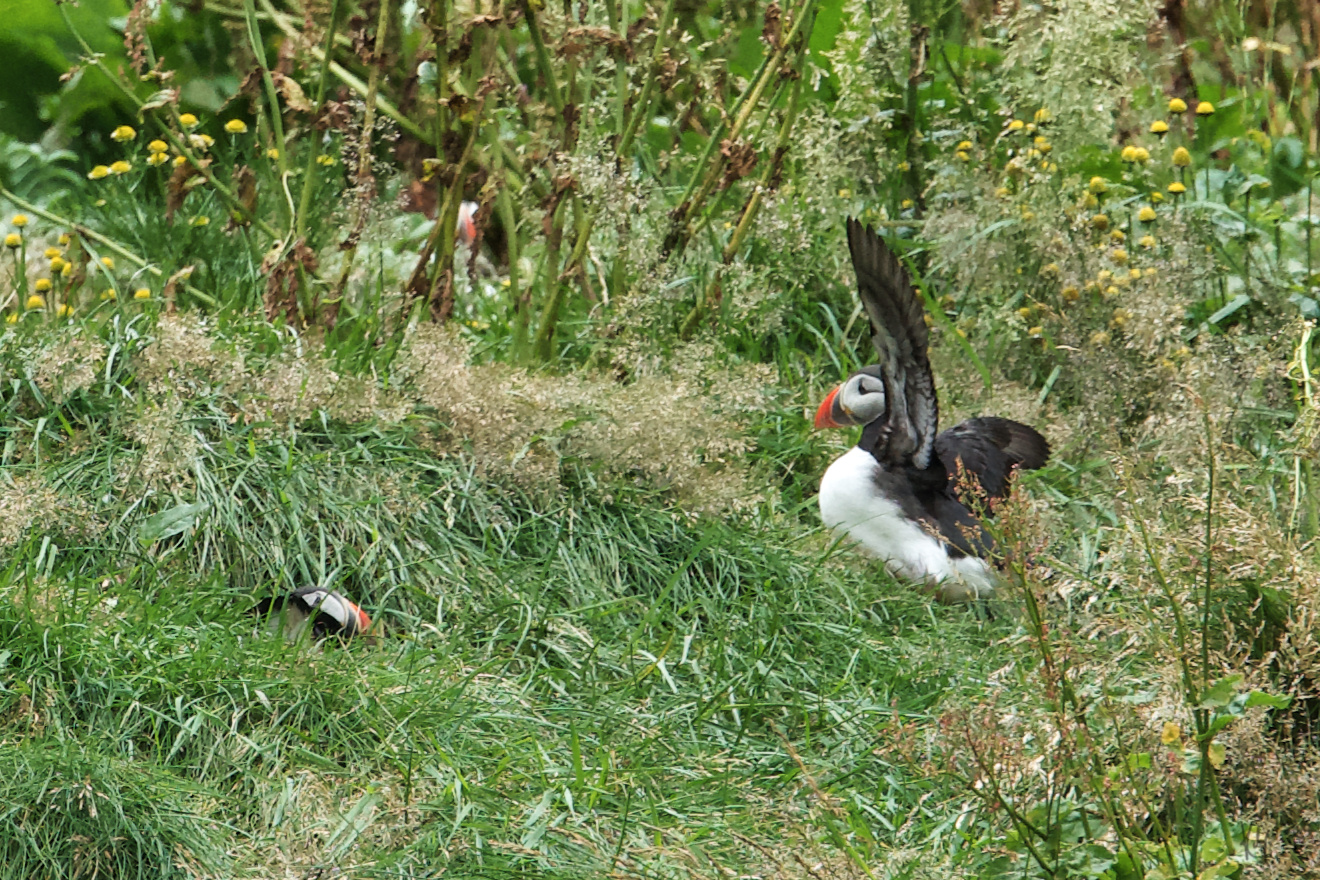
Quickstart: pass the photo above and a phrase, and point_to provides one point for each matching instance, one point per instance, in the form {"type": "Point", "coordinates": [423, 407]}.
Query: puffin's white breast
{"type": "Point", "coordinates": [851, 502]}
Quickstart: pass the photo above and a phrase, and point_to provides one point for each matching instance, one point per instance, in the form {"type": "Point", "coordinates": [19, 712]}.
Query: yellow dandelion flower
{"type": "Point", "coordinates": [199, 220]}
{"type": "Point", "coordinates": [180, 161]}
{"type": "Point", "coordinates": [1104, 276]}
{"type": "Point", "coordinates": [1050, 269]}
{"type": "Point", "coordinates": [1146, 214]}
{"type": "Point", "coordinates": [1177, 188]}
{"type": "Point", "coordinates": [57, 264]}
{"type": "Point", "coordinates": [155, 160]}
{"type": "Point", "coordinates": [19, 220]}
{"type": "Point", "coordinates": [1089, 201]}
{"type": "Point", "coordinates": [64, 310]}
{"type": "Point", "coordinates": [964, 145]}
{"type": "Point", "coordinates": [1100, 221]}
{"type": "Point", "coordinates": [108, 262]}
{"type": "Point", "coordinates": [901, 166]}
{"type": "Point", "coordinates": [1147, 241]}
{"type": "Point", "coordinates": [1118, 255]}
{"type": "Point", "coordinates": [1151, 272]}
{"type": "Point", "coordinates": [1205, 108]}
{"type": "Point", "coordinates": [1129, 154]}
{"type": "Point", "coordinates": [1025, 312]}
{"type": "Point", "coordinates": [906, 203]}
{"type": "Point", "coordinates": [1100, 338]}
{"type": "Point", "coordinates": [142, 293]}
{"type": "Point", "coordinates": [1177, 105]}
{"type": "Point", "coordinates": [123, 134]}
{"type": "Point", "coordinates": [1028, 215]}
{"type": "Point", "coordinates": [109, 295]}
{"type": "Point", "coordinates": [158, 146]}
{"type": "Point", "coordinates": [1030, 127]}
{"type": "Point", "coordinates": [13, 240]}
{"type": "Point", "coordinates": [1134, 274]}
{"type": "Point", "coordinates": [236, 126]}
{"type": "Point", "coordinates": [1042, 115]}
{"type": "Point", "coordinates": [1120, 318]}
{"type": "Point", "coordinates": [188, 120]}
{"type": "Point", "coordinates": [1159, 127]}
{"type": "Point", "coordinates": [323, 159]}
{"type": "Point", "coordinates": [35, 302]}
{"type": "Point", "coordinates": [1118, 235]}
{"type": "Point", "coordinates": [1111, 290]}
{"type": "Point", "coordinates": [1070, 294]}
{"type": "Point", "coordinates": [201, 141]}
{"type": "Point", "coordinates": [963, 155]}
{"type": "Point", "coordinates": [1043, 145]}
{"type": "Point", "coordinates": [1141, 154]}
{"type": "Point", "coordinates": [1036, 332]}
{"type": "Point", "coordinates": [11, 318]}
{"type": "Point", "coordinates": [272, 153]}
{"type": "Point", "coordinates": [66, 270]}
{"type": "Point", "coordinates": [42, 285]}
{"type": "Point", "coordinates": [1181, 157]}
{"type": "Point", "coordinates": [120, 167]}
{"type": "Point", "coordinates": [98, 172]}
{"type": "Point", "coordinates": [65, 239]}
{"type": "Point", "coordinates": [1098, 185]}
{"type": "Point", "coordinates": [1156, 197]}
{"type": "Point", "coordinates": [1002, 192]}
{"type": "Point", "coordinates": [51, 253]}
{"type": "Point", "coordinates": [1016, 125]}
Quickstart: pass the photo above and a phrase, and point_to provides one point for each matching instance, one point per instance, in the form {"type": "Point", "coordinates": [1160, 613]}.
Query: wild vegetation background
{"type": "Point", "coordinates": [567, 466]}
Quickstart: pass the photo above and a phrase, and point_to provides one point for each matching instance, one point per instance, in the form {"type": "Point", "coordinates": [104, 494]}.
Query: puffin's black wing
{"type": "Point", "coordinates": [898, 328]}
{"type": "Point", "coordinates": [991, 448]}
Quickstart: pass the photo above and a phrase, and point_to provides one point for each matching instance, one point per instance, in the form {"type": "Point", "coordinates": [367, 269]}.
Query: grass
{"type": "Point", "coordinates": [557, 690]}
{"type": "Point", "coordinates": [573, 478]}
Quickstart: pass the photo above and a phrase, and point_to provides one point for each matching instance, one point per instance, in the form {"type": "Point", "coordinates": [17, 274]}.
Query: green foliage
{"type": "Point", "coordinates": [610, 637]}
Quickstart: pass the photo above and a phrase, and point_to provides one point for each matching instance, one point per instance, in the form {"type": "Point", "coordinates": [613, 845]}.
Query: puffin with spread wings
{"type": "Point", "coordinates": [896, 493]}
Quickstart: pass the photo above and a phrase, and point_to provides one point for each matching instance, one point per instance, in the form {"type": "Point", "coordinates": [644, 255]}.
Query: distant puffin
{"type": "Point", "coordinates": [327, 612]}
{"type": "Point", "coordinates": [895, 493]}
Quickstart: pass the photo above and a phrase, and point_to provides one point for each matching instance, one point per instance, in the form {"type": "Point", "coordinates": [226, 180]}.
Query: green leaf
{"type": "Point", "coordinates": [1229, 309]}
{"type": "Point", "coordinates": [1274, 701]}
{"type": "Point", "coordinates": [1308, 307]}
{"type": "Point", "coordinates": [1220, 693]}
{"type": "Point", "coordinates": [170, 522]}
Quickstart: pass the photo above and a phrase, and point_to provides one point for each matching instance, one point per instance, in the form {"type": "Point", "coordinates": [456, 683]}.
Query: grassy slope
{"type": "Point", "coordinates": [563, 687]}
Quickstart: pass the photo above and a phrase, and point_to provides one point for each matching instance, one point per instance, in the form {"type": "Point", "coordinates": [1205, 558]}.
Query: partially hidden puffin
{"type": "Point", "coordinates": [327, 612]}
{"type": "Point", "coordinates": [896, 493]}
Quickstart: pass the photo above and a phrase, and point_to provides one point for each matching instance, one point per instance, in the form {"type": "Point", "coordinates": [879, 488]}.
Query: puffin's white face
{"type": "Point", "coordinates": [858, 401]}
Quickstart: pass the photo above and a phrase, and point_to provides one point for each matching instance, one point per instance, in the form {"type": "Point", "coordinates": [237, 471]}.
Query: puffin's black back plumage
{"type": "Point", "coordinates": [920, 466]}
{"type": "Point", "coordinates": [898, 331]}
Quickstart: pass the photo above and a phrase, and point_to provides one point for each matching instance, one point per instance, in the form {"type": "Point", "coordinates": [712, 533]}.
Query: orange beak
{"type": "Point", "coordinates": [364, 622]}
{"type": "Point", "coordinates": [825, 414]}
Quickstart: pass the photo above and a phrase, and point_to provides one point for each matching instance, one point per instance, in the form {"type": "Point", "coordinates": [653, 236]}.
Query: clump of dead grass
{"type": "Point", "coordinates": [29, 502]}
{"type": "Point", "coordinates": [679, 429]}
